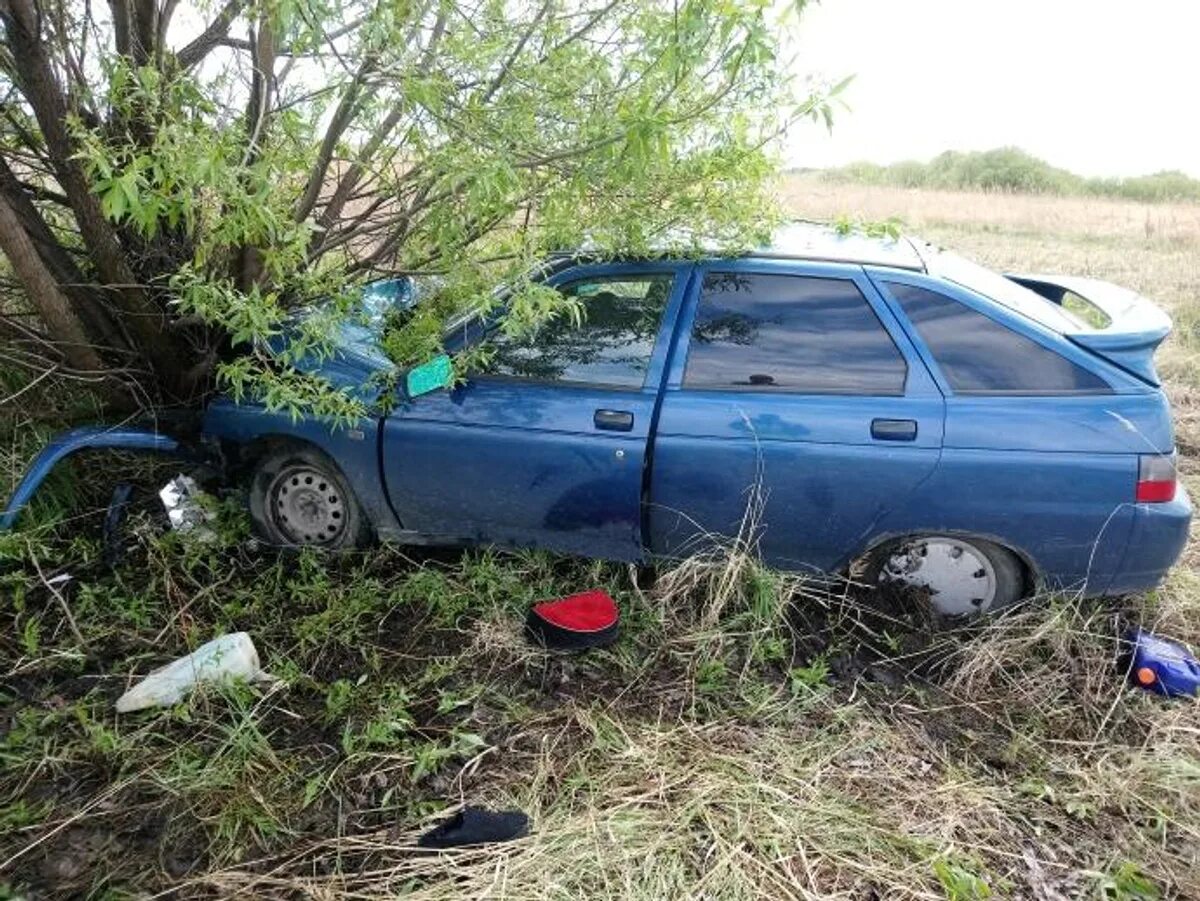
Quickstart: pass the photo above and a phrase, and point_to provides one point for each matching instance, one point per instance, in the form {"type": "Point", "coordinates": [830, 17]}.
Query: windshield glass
{"type": "Point", "coordinates": [982, 280]}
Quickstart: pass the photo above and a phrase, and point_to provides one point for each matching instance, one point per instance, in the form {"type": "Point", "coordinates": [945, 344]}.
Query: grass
{"type": "Point", "coordinates": [751, 735]}
{"type": "Point", "coordinates": [1012, 170]}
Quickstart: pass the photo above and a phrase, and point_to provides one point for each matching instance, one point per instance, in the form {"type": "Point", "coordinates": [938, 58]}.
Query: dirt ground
{"type": "Point", "coordinates": [750, 735]}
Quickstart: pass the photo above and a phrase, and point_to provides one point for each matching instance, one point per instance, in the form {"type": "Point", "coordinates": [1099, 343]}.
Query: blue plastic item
{"type": "Point", "coordinates": [437, 373]}
{"type": "Point", "coordinates": [83, 438]}
{"type": "Point", "coordinates": [1161, 665]}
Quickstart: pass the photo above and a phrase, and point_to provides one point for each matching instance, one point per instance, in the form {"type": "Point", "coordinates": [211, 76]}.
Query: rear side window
{"type": "Point", "coordinates": [978, 355]}
{"type": "Point", "coordinates": [612, 347]}
{"type": "Point", "coordinates": [790, 334]}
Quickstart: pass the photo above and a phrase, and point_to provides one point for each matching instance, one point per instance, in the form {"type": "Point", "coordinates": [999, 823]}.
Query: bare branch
{"type": "Point", "coordinates": [213, 35]}
{"type": "Point", "coordinates": [347, 107]}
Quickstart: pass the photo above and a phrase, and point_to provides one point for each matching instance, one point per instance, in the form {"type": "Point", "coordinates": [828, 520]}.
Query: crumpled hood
{"type": "Point", "coordinates": [358, 360]}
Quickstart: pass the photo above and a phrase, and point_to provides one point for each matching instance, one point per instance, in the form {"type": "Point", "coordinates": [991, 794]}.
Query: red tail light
{"type": "Point", "coordinates": [1156, 478]}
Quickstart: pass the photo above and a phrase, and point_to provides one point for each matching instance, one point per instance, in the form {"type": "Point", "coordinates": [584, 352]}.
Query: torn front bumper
{"type": "Point", "coordinates": [83, 438]}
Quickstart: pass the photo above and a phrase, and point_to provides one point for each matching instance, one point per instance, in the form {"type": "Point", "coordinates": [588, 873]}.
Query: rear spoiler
{"type": "Point", "coordinates": [1128, 329]}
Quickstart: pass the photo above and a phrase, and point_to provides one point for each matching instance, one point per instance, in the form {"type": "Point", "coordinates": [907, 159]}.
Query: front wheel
{"type": "Point", "coordinates": [299, 497]}
{"type": "Point", "coordinates": [958, 576]}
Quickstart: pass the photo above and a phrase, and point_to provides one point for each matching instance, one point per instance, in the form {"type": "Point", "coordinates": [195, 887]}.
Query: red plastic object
{"type": "Point", "coordinates": [589, 619]}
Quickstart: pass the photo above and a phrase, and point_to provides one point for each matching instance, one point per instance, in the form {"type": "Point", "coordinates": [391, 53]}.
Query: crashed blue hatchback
{"type": "Point", "coordinates": [833, 398]}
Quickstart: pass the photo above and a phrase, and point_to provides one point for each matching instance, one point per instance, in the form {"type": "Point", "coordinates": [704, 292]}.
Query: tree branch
{"type": "Point", "coordinates": [347, 107]}
{"type": "Point", "coordinates": [214, 34]}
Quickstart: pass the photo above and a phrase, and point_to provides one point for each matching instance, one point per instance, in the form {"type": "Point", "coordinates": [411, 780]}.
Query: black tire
{"type": "Point", "coordinates": [1007, 573]}
{"type": "Point", "coordinates": [299, 497]}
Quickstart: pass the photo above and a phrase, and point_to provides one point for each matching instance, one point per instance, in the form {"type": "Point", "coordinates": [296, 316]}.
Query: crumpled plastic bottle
{"type": "Point", "coordinates": [227, 657]}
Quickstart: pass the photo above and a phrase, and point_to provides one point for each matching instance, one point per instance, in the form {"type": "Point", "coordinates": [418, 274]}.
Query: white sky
{"type": "Point", "coordinates": [1101, 87]}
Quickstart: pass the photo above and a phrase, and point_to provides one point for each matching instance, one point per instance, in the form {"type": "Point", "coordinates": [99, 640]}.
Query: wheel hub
{"type": "Point", "coordinates": [957, 576]}
{"type": "Point", "coordinates": [307, 506]}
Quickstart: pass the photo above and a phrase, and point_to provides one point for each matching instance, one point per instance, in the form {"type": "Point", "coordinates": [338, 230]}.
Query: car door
{"type": "Point", "coordinates": [547, 448]}
{"type": "Point", "coordinates": [796, 413]}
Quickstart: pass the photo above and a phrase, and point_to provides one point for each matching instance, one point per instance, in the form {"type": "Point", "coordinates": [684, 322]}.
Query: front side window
{"type": "Point", "coordinates": [612, 346]}
{"type": "Point", "coordinates": [790, 334]}
{"type": "Point", "coordinates": [978, 355]}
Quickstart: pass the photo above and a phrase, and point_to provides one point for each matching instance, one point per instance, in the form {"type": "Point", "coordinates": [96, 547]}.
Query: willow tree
{"type": "Point", "coordinates": [177, 176]}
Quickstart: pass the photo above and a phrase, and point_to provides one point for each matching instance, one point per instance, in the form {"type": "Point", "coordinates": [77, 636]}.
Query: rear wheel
{"type": "Point", "coordinates": [299, 497]}
{"type": "Point", "coordinates": [955, 575]}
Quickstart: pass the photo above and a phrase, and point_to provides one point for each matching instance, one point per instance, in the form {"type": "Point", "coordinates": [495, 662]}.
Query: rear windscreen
{"type": "Point", "coordinates": [995, 286]}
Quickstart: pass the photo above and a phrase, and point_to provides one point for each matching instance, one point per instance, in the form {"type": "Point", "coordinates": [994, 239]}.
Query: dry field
{"type": "Point", "coordinates": [749, 737]}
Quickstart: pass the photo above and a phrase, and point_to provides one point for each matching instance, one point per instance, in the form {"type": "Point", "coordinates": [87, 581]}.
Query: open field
{"type": "Point", "coordinates": [747, 737]}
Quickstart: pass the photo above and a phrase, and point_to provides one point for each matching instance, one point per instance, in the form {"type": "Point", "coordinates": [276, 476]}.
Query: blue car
{"type": "Point", "coordinates": [832, 398]}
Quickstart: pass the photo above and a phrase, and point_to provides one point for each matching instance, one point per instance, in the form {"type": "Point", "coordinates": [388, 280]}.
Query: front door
{"type": "Point", "coordinates": [796, 414]}
{"type": "Point", "coordinates": [549, 446]}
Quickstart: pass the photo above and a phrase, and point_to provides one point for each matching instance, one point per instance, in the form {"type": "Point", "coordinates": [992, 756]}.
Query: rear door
{"type": "Point", "coordinates": [547, 449]}
{"type": "Point", "coordinates": [796, 413]}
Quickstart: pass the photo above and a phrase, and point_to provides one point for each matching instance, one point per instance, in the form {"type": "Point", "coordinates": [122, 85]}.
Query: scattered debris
{"type": "Point", "coordinates": [114, 519]}
{"type": "Point", "coordinates": [1161, 665]}
{"type": "Point", "coordinates": [180, 497]}
{"type": "Point", "coordinates": [589, 619]}
{"type": "Point", "coordinates": [476, 826]}
{"type": "Point", "coordinates": [227, 657]}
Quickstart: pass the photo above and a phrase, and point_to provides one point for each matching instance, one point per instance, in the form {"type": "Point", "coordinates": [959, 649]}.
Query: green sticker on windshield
{"type": "Point", "coordinates": [437, 373]}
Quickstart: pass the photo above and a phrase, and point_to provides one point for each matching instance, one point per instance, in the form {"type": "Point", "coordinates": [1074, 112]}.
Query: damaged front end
{"type": "Point", "coordinates": [91, 437]}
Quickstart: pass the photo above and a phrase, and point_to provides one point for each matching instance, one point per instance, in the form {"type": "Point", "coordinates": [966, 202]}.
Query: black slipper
{"type": "Point", "coordinates": [476, 826]}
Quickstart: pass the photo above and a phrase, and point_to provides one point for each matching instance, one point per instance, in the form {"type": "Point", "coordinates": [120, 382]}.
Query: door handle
{"type": "Point", "coordinates": [613, 420]}
{"type": "Point", "coordinates": [894, 429]}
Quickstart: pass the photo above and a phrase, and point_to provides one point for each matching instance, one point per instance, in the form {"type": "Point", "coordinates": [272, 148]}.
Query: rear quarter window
{"type": "Point", "coordinates": [978, 355]}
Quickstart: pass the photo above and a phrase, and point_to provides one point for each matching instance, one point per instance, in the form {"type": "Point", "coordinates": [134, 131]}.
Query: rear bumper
{"type": "Point", "coordinates": [1156, 539]}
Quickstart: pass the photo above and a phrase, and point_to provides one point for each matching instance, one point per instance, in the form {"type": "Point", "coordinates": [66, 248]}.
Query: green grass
{"type": "Point", "coordinates": [739, 741]}
{"type": "Point", "coordinates": [750, 735]}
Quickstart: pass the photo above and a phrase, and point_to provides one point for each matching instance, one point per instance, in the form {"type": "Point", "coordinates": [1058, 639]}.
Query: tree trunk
{"type": "Point", "coordinates": [143, 318]}
{"type": "Point", "coordinates": [96, 319]}
{"type": "Point", "coordinates": [52, 304]}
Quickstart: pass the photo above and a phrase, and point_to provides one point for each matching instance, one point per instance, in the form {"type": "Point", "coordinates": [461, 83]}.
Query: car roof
{"type": "Point", "coordinates": [816, 241]}
{"type": "Point", "coordinates": [799, 240]}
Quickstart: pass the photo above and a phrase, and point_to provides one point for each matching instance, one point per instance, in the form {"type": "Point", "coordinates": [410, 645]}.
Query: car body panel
{"type": "Point", "coordinates": [1068, 515]}
{"type": "Point", "coordinates": [522, 462]}
{"type": "Point", "coordinates": [1157, 538]}
{"type": "Point", "coordinates": [243, 430]}
{"type": "Point", "coordinates": [804, 470]}
{"type": "Point", "coordinates": [90, 437]}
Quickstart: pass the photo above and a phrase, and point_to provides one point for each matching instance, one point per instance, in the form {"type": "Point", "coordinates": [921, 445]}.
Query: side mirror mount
{"type": "Point", "coordinates": [429, 377]}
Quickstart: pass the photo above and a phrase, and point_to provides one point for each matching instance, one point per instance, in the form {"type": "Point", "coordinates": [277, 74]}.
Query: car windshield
{"type": "Point", "coordinates": [995, 286]}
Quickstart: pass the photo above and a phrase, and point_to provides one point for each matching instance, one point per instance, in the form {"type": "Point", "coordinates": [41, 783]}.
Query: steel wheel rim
{"type": "Point", "coordinates": [307, 506]}
{"type": "Point", "coordinates": [957, 576]}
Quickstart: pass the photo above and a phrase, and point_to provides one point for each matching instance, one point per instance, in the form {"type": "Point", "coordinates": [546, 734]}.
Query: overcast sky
{"type": "Point", "coordinates": [1102, 87]}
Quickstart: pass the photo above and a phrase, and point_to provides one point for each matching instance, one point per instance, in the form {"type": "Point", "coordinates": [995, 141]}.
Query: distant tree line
{"type": "Point", "coordinates": [1012, 170]}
